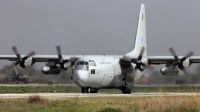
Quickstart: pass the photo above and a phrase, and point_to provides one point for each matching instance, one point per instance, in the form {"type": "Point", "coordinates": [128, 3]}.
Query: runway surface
{"type": "Point", "coordinates": [136, 85]}
{"type": "Point", "coordinates": [63, 95]}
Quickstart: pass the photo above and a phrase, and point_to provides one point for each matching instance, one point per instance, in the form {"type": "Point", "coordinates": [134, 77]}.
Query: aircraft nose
{"type": "Point", "coordinates": [80, 77]}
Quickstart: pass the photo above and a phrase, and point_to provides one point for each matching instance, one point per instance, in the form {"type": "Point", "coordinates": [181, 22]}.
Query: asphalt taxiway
{"type": "Point", "coordinates": [63, 95]}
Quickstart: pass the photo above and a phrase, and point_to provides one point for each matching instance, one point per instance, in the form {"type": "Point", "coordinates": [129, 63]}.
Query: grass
{"type": "Point", "coordinates": [76, 89]}
{"type": "Point", "coordinates": [100, 104]}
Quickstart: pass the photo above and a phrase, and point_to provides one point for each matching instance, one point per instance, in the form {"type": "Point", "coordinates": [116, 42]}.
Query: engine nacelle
{"type": "Point", "coordinates": [67, 65]}
{"type": "Point", "coordinates": [29, 62]}
{"type": "Point", "coordinates": [51, 70]}
{"type": "Point", "coordinates": [186, 63]}
{"type": "Point", "coordinates": [171, 72]}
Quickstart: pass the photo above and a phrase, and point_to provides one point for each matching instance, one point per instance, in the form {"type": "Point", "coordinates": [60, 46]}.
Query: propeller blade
{"type": "Point", "coordinates": [15, 50]}
{"type": "Point", "coordinates": [63, 74]}
{"type": "Point", "coordinates": [186, 72]}
{"type": "Point", "coordinates": [141, 53]}
{"type": "Point", "coordinates": [28, 74]}
{"type": "Point", "coordinates": [170, 67]}
{"type": "Point", "coordinates": [17, 62]}
{"type": "Point", "coordinates": [30, 54]}
{"type": "Point", "coordinates": [58, 50]}
{"type": "Point", "coordinates": [50, 63]}
{"type": "Point", "coordinates": [172, 51]}
{"type": "Point", "coordinates": [9, 66]}
{"type": "Point", "coordinates": [132, 74]}
{"type": "Point", "coordinates": [187, 55]}
{"type": "Point", "coordinates": [150, 67]}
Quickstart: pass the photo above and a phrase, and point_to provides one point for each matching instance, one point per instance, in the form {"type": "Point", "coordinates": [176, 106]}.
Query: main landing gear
{"type": "Point", "coordinates": [88, 90]}
{"type": "Point", "coordinates": [125, 90]}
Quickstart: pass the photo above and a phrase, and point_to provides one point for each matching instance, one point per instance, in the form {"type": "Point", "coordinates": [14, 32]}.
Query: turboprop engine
{"type": "Point", "coordinates": [61, 64]}
{"type": "Point", "coordinates": [171, 72]}
{"type": "Point", "coordinates": [22, 60]}
{"type": "Point", "coordinates": [51, 70]}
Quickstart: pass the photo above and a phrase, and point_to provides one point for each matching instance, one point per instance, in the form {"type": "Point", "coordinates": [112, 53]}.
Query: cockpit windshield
{"type": "Point", "coordinates": [86, 63]}
{"type": "Point", "coordinates": [92, 63]}
{"type": "Point", "coordinates": [82, 63]}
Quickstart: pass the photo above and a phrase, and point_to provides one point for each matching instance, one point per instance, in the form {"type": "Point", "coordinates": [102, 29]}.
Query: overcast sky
{"type": "Point", "coordinates": [98, 26]}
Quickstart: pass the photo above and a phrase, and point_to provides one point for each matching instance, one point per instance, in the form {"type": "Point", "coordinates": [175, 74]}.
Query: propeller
{"type": "Point", "coordinates": [179, 62]}
{"type": "Point", "coordinates": [21, 60]}
{"type": "Point", "coordinates": [61, 61]}
{"type": "Point", "coordinates": [138, 63]}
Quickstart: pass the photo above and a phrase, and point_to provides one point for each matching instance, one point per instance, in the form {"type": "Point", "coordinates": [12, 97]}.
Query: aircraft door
{"type": "Point", "coordinates": [94, 78]}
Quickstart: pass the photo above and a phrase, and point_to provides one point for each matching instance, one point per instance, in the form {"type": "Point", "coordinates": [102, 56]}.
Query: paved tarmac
{"type": "Point", "coordinates": [136, 85]}
{"type": "Point", "coordinates": [63, 95]}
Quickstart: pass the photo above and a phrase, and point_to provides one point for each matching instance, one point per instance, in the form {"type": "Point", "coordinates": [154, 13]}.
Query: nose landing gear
{"type": "Point", "coordinates": [88, 90]}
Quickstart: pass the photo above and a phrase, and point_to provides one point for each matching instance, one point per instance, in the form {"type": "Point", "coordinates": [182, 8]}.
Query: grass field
{"type": "Point", "coordinates": [76, 89]}
{"type": "Point", "coordinates": [99, 104]}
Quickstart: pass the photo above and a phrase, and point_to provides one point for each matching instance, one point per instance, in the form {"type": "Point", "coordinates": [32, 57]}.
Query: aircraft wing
{"type": "Point", "coordinates": [37, 58]}
{"type": "Point", "coordinates": [46, 58]}
{"type": "Point", "coordinates": [165, 59]}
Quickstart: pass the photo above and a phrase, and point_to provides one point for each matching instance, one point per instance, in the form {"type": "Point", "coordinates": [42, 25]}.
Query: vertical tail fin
{"type": "Point", "coordinates": [140, 40]}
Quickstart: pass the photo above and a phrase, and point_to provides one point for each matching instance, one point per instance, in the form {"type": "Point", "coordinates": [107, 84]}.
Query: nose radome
{"type": "Point", "coordinates": [80, 77]}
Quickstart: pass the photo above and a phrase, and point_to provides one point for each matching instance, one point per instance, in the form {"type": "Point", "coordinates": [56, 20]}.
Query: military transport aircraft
{"type": "Point", "coordinates": [96, 72]}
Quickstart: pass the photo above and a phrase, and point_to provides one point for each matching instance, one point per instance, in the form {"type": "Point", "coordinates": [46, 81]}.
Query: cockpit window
{"type": "Point", "coordinates": [92, 63]}
{"type": "Point", "coordinates": [82, 63]}
{"type": "Point", "coordinates": [86, 63]}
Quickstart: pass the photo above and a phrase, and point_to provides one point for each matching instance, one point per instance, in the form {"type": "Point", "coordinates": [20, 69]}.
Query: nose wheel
{"type": "Point", "coordinates": [88, 90]}
{"type": "Point", "coordinates": [83, 90]}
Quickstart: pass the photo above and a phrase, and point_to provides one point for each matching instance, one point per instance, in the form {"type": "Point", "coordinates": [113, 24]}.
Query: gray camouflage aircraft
{"type": "Point", "coordinates": [95, 72]}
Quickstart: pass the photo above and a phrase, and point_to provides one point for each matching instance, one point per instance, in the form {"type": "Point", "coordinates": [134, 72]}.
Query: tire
{"type": "Point", "coordinates": [88, 89]}
{"type": "Point", "coordinates": [94, 91]}
{"type": "Point", "coordinates": [125, 90]}
{"type": "Point", "coordinates": [83, 90]}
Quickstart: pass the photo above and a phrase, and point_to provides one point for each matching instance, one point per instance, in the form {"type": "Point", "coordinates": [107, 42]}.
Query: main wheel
{"type": "Point", "coordinates": [88, 89]}
{"type": "Point", "coordinates": [94, 91]}
{"type": "Point", "coordinates": [83, 90]}
{"type": "Point", "coordinates": [125, 90]}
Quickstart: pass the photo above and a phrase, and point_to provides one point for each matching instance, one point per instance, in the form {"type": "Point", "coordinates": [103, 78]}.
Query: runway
{"type": "Point", "coordinates": [136, 85]}
{"type": "Point", "coordinates": [63, 95]}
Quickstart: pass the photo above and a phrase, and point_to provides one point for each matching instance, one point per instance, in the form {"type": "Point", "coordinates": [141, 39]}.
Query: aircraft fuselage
{"type": "Point", "coordinates": [98, 72]}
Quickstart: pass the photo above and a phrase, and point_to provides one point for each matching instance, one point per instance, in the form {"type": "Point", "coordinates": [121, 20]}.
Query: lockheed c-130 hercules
{"type": "Point", "coordinates": [92, 73]}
